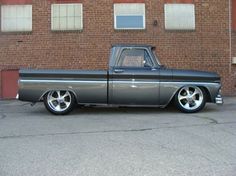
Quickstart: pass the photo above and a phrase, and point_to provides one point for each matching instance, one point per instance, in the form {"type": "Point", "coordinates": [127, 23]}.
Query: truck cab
{"type": "Point", "coordinates": [134, 75]}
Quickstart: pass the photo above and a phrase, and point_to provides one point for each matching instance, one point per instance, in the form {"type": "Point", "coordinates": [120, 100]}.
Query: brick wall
{"type": "Point", "coordinates": [206, 48]}
{"type": "Point", "coordinates": [233, 67]}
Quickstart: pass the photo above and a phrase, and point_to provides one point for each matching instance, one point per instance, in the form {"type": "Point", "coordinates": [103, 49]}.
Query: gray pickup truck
{"type": "Point", "coordinates": [135, 78]}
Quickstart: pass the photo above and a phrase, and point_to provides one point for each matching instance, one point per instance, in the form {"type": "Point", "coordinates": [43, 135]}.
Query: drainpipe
{"type": "Point", "coordinates": [230, 36]}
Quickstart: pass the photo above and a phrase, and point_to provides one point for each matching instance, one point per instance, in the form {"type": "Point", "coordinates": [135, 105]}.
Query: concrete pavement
{"type": "Point", "coordinates": [117, 141]}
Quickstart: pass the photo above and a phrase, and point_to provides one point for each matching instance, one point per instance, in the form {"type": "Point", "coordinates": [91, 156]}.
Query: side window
{"type": "Point", "coordinates": [134, 58]}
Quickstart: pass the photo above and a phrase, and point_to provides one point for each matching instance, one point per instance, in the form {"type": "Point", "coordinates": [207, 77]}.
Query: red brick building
{"type": "Point", "coordinates": [77, 34]}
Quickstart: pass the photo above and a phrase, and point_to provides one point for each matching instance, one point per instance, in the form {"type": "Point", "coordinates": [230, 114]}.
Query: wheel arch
{"type": "Point", "coordinates": [203, 87]}
{"type": "Point", "coordinates": [71, 91]}
{"type": "Point", "coordinates": [208, 93]}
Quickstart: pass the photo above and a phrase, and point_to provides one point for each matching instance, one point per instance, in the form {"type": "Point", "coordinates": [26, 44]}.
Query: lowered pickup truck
{"type": "Point", "coordinates": [135, 78]}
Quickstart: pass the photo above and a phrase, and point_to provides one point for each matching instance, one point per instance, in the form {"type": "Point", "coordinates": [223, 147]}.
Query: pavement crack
{"type": "Point", "coordinates": [212, 121]}
{"type": "Point", "coordinates": [78, 132]}
{"type": "Point", "coordinates": [103, 131]}
{"type": "Point", "coordinates": [113, 131]}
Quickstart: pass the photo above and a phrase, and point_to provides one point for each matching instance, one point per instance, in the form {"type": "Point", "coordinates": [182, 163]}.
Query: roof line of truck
{"type": "Point", "coordinates": [131, 45]}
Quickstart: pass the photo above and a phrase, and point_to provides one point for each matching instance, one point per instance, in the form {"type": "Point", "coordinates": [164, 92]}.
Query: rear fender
{"type": "Point", "coordinates": [70, 90]}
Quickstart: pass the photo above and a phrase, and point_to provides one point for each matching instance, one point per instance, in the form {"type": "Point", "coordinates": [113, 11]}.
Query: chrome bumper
{"type": "Point", "coordinates": [219, 100]}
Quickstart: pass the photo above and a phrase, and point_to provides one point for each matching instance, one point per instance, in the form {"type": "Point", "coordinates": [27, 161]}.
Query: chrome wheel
{"type": "Point", "coordinates": [190, 98]}
{"type": "Point", "coordinates": [59, 101]}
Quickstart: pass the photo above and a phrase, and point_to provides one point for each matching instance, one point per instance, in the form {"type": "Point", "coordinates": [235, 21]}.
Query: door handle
{"type": "Point", "coordinates": [118, 71]}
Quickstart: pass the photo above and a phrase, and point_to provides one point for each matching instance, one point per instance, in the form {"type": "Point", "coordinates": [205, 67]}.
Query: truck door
{"type": "Point", "coordinates": [134, 80]}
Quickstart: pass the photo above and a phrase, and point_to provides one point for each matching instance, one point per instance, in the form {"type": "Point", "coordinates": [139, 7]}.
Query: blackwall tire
{"type": "Point", "coordinates": [59, 102]}
{"type": "Point", "coordinates": [190, 99]}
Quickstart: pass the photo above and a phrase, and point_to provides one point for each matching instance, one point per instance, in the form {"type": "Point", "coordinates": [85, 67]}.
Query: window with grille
{"type": "Point", "coordinates": [16, 18]}
{"type": "Point", "coordinates": [66, 17]}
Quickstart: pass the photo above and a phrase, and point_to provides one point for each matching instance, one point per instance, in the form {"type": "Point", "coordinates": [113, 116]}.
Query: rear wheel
{"type": "Point", "coordinates": [190, 99]}
{"type": "Point", "coordinates": [59, 102]}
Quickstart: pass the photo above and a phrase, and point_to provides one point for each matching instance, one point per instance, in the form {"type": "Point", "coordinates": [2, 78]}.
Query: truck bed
{"type": "Point", "coordinates": [86, 85]}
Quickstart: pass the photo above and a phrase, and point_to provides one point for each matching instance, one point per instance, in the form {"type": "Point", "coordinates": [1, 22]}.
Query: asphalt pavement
{"type": "Point", "coordinates": [117, 141]}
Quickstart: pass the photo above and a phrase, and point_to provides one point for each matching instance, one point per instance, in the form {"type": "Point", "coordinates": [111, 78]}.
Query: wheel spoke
{"type": "Point", "coordinates": [52, 99]}
{"type": "Point", "coordinates": [58, 107]}
{"type": "Point", "coordinates": [196, 92]}
{"type": "Point", "coordinates": [197, 103]}
{"type": "Point", "coordinates": [67, 103]}
{"type": "Point", "coordinates": [181, 97]}
{"type": "Point", "coordinates": [187, 90]}
{"type": "Point", "coordinates": [58, 94]}
{"type": "Point", "coordinates": [54, 102]}
{"type": "Point", "coordinates": [187, 106]}
{"type": "Point", "coordinates": [67, 94]}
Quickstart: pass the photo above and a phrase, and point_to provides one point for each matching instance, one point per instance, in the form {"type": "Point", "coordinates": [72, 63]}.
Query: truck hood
{"type": "Point", "coordinates": [193, 75]}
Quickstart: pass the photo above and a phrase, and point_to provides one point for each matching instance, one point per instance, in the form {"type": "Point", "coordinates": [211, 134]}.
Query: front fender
{"type": "Point", "coordinates": [169, 89]}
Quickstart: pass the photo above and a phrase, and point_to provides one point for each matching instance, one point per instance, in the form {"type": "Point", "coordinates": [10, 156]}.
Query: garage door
{"type": "Point", "coordinates": [9, 82]}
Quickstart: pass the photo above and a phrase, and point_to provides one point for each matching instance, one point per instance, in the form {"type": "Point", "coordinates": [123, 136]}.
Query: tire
{"type": "Point", "coordinates": [190, 99]}
{"type": "Point", "coordinates": [59, 102]}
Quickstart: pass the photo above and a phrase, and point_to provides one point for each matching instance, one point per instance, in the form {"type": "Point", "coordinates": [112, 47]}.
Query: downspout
{"type": "Point", "coordinates": [230, 36]}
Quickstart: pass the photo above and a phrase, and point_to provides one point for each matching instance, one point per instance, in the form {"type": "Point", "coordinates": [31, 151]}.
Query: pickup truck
{"type": "Point", "coordinates": [135, 77]}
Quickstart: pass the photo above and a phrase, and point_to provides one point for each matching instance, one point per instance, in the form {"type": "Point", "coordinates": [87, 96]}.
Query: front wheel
{"type": "Point", "coordinates": [190, 99]}
{"type": "Point", "coordinates": [59, 102]}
